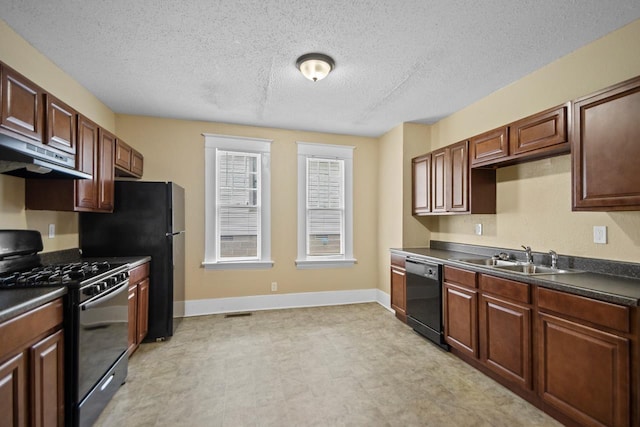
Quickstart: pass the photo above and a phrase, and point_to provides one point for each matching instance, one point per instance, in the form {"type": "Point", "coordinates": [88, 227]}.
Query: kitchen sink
{"type": "Point", "coordinates": [490, 262]}
{"type": "Point", "coordinates": [516, 266]}
{"type": "Point", "coordinates": [532, 269]}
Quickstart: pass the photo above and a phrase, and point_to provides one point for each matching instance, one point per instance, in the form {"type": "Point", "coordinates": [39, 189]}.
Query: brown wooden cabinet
{"type": "Point", "coordinates": [460, 301]}
{"type": "Point", "coordinates": [138, 305]}
{"type": "Point", "coordinates": [128, 161]}
{"type": "Point", "coordinates": [399, 287]}
{"type": "Point", "coordinates": [60, 125]}
{"type": "Point", "coordinates": [32, 368]}
{"type": "Point", "coordinates": [569, 355]}
{"type": "Point", "coordinates": [486, 148]}
{"type": "Point", "coordinates": [95, 156]}
{"type": "Point", "coordinates": [540, 135]}
{"type": "Point", "coordinates": [584, 357]}
{"type": "Point", "coordinates": [505, 329]}
{"type": "Point", "coordinates": [421, 184]}
{"type": "Point", "coordinates": [453, 188]}
{"type": "Point", "coordinates": [21, 110]}
{"type": "Point", "coordinates": [605, 149]}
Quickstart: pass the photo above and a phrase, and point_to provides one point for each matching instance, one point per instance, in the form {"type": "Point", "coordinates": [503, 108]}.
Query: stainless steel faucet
{"type": "Point", "coordinates": [554, 259]}
{"type": "Point", "coordinates": [527, 252]}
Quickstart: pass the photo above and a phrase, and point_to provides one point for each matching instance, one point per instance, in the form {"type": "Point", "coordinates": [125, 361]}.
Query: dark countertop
{"type": "Point", "coordinates": [604, 287]}
{"type": "Point", "coordinates": [14, 302]}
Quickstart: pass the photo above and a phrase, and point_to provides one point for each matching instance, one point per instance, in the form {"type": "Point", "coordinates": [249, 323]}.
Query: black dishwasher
{"type": "Point", "coordinates": [424, 299]}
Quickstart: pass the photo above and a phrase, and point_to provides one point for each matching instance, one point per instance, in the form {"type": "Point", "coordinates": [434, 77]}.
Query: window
{"type": "Point", "coordinates": [237, 203]}
{"type": "Point", "coordinates": [325, 206]}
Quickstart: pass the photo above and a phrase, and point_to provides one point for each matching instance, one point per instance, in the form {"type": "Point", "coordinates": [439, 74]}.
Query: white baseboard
{"type": "Point", "coordinates": [279, 301]}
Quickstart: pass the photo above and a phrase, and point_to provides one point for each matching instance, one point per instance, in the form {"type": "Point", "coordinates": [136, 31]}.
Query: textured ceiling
{"type": "Point", "coordinates": [234, 61]}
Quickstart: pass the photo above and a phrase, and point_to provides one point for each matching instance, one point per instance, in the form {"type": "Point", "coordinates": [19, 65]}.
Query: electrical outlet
{"type": "Point", "coordinates": [52, 231]}
{"type": "Point", "coordinates": [600, 234]}
{"type": "Point", "coordinates": [274, 286]}
{"type": "Point", "coordinates": [478, 229]}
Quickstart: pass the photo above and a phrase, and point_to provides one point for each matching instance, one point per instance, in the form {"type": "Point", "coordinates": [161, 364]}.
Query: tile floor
{"type": "Point", "coordinates": [352, 365]}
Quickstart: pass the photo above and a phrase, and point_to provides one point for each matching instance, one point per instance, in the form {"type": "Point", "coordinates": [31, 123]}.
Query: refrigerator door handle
{"type": "Point", "coordinates": [174, 234]}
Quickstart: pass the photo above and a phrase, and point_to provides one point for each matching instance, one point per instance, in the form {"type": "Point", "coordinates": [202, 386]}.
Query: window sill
{"type": "Point", "coordinates": [238, 265]}
{"type": "Point", "coordinates": [305, 264]}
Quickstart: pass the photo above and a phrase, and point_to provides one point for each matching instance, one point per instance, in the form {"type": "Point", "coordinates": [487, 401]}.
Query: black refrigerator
{"type": "Point", "coordinates": [148, 219]}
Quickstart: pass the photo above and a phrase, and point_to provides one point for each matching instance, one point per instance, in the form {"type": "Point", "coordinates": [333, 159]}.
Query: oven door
{"type": "Point", "coordinates": [102, 335]}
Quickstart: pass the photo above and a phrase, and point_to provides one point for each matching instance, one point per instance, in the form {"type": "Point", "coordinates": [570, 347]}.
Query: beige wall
{"type": "Point", "coordinates": [174, 151]}
{"type": "Point", "coordinates": [534, 199]}
{"type": "Point", "coordinates": [21, 56]}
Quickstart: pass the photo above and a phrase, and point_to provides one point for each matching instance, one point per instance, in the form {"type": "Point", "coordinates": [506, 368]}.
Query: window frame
{"type": "Point", "coordinates": [215, 143]}
{"type": "Point", "coordinates": [308, 150]}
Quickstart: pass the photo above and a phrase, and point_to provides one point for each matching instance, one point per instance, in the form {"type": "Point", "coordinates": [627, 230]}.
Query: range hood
{"type": "Point", "coordinates": [34, 160]}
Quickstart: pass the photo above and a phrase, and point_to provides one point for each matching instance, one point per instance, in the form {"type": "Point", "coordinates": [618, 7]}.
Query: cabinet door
{"type": "Point", "coordinates": [459, 177]}
{"type": "Point", "coordinates": [399, 293]}
{"type": "Point", "coordinates": [106, 174]}
{"type": "Point", "coordinates": [542, 133]}
{"type": "Point", "coordinates": [461, 319]}
{"type": "Point", "coordinates": [583, 372]}
{"type": "Point", "coordinates": [123, 155]}
{"type": "Point", "coordinates": [137, 163]}
{"type": "Point", "coordinates": [13, 392]}
{"type": "Point", "coordinates": [489, 146]}
{"type": "Point", "coordinates": [87, 161]}
{"type": "Point", "coordinates": [61, 125]}
{"type": "Point", "coordinates": [133, 318]}
{"type": "Point", "coordinates": [47, 378]}
{"type": "Point", "coordinates": [439, 160]}
{"type": "Point", "coordinates": [143, 310]}
{"type": "Point", "coordinates": [421, 171]}
{"type": "Point", "coordinates": [605, 149]}
{"type": "Point", "coordinates": [21, 105]}
{"type": "Point", "coordinates": [505, 340]}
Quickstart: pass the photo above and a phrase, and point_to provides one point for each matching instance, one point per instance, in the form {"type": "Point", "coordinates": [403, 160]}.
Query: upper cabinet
{"type": "Point", "coordinates": [95, 156]}
{"type": "Point", "coordinates": [60, 125]}
{"type": "Point", "coordinates": [490, 146]}
{"type": "Point", "coordinates": [605, 149]}
{"type": "Point", "coordinates": [21, 104]}
{"type": "Point", "coordinates": [128, 161]}
{"type": "Point", "coordinates": [421, 171]}
{"type": "Point", "coordinates": [535, 137]}
{"type": "Point", "coordinates": [443, 183]}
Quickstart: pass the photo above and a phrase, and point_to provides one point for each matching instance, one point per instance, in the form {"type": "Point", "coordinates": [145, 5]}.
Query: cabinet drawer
{"type": "Point", "coordinates": [516, 291]}
{"type": "Point", "coordinates": [139, 273]}
{"type": "Point", "coordinates": [398, 260]}
{"type": "Point", "coordinates": [461, 277]}
{"type": "Point", "coordinates": [597, 312]}
{"type": "Point", "coordinates": [17, 332]}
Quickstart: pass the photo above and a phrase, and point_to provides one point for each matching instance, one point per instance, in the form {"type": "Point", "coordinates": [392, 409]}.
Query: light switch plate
{"type": "Point", "coordinates": [52, 231]}
{"type": "Point", "coordinates": [600, 234]}
{"type": "Point", "coordinates": [478, 229]}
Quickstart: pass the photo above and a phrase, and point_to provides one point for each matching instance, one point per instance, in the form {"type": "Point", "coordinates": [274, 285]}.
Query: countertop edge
{"type": "Point", "coordinates": [556, 282]}
{"type": "Point", "coordinates": [31, 302]}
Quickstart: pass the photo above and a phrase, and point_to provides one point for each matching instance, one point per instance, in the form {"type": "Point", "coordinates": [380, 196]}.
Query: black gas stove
{"type": "Point", "coordinates": [95, 319]}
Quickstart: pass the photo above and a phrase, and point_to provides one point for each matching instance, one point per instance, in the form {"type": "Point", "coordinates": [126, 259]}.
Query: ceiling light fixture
{"type": "Point", "coordinates": [315, 66]}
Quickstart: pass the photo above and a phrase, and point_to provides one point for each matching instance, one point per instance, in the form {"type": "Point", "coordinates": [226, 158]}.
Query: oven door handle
{"type": "Point", "coordinates": [99, 299]}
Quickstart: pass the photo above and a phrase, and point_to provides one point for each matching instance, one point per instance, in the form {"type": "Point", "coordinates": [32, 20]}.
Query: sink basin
{"type": "Point", "coordinates": [531, 269]}
{"type": "Point", "coordinates": [490, 262]}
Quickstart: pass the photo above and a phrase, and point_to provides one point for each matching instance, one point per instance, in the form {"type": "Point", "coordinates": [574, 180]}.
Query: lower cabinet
{"type": "Point", "coordinates": [32, 368]}
{"type": "Point", "coordinates": [399, 287]}
{"type": "Point", "coordinates": [571, 356]}
{"type": "Point", "coordinates": [460, 301]}
{"type": "Point", "coordinates": [138, 306]}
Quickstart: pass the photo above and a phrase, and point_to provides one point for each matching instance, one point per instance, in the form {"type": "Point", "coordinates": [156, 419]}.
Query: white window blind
{"type": "Point", "coordinates": [325, 207]}
{"type": "Point", "coordinates": [238, 205]}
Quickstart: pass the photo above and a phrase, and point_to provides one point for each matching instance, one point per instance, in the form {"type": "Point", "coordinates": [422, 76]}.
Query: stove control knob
{"type": "Point", "coordinates": [111, 281]}
{"type": "Point", "coordinates": [91, 290]}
